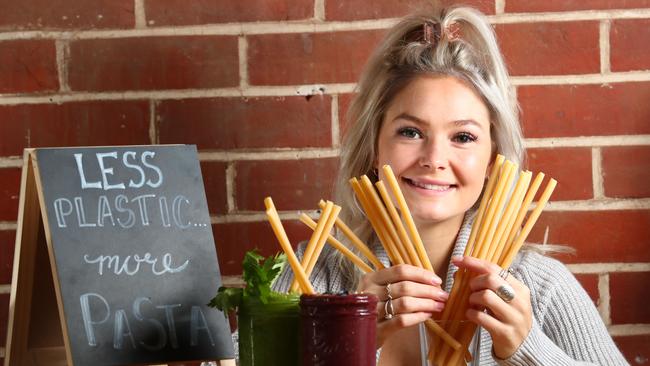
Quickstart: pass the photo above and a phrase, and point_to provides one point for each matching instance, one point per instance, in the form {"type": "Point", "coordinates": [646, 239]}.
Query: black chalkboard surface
{"type": "Point", "coordinates": [134, 260]}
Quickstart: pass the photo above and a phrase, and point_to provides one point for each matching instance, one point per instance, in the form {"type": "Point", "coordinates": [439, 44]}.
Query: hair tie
{"type": "Point", "coordinates": [452, 31]}
{"type": "Point", "coordinates": [431, 32]}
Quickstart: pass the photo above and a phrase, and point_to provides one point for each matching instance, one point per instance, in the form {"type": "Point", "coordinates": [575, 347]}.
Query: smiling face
{"type": "Point", "coordinates": [436, 137]}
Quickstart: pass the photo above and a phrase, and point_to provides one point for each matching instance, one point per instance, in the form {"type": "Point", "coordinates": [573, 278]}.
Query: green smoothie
{"type": "Point", "coordinates": [269, 333]}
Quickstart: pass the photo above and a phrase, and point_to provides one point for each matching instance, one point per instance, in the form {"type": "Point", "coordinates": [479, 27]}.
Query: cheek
{"type": "Point", "coordinates": [473, 167]}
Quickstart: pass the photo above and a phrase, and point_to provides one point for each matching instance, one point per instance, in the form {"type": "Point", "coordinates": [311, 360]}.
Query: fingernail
{"type": "Point", "coordinates": [456, 258]}
{"type": "Point", "coordinates": [436, 280]}
{"type": "Point", "coordinates": [439, 307]}
{"type": "Point", "coordinates": [444, 295]}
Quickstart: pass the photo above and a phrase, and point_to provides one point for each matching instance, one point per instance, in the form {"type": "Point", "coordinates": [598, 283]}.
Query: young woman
{"type": "Point", "coordinates": [435, 103]}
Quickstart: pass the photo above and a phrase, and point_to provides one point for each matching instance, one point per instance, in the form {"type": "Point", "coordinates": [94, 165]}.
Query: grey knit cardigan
{"type": "Point", "coordinates": [567, 329]}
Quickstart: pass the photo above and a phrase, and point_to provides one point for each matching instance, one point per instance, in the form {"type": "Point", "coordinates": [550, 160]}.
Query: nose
{"type": "Point", "coordinates": [434, 156]}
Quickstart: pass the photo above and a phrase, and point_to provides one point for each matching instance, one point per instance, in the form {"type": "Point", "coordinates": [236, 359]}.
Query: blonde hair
{"type": "Point", "coordinates": [463, 45]}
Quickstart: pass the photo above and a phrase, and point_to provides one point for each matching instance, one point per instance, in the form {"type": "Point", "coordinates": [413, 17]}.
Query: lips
{"type": "Point", "coordinates": [429, 186]}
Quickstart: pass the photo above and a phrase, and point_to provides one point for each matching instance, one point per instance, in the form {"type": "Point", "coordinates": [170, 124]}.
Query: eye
{"type": "Point", "coordinates": [409, 132]}
{"type": "Point", "coordinates": [464, 137]}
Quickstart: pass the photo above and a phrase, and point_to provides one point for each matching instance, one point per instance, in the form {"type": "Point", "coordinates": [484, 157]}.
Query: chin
{"type": "Point", "coordinates": [436, 217]}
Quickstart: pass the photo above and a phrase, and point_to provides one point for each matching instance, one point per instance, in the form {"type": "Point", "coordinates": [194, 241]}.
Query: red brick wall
{"type": "Point", "coordinates": [236, 78]}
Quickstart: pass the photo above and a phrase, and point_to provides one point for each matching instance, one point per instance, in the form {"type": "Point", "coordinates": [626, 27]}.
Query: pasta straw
{"type": "Point", "coordinates": [413, 231]}
{"type": "Point", "coordinates": [453, 295]}
{"type": "Point", "coordinates": [322, 239]}
{"type": "Point", "coordinates": [509, 256]}
{"type": "Point", "coordinates": [460, 292]}
{"type": "Point", "coordinates": [485, 235]}
{"type": "Point", "coordinates": [354, 239]}
{"type": "Point", "coordinates": [530, 195]}
{"type": "Point", "coordinates": [338, 245]}
{"type": "Point", "coordinates": [532, 219]}
{"type": "Point", "coordinates": [498, 236]}
{"type": "Point", "coordinates": [496, 167]}
{"type": "Point", "coordinates": [281, 235]}
{"type": "Point", "coordinates": [510, 215]}
{"type": "Point", "coordinates": [397, 221]}
{"type": "Point", "coordinates": [311, 245]}
{"type": "Point", "coordinates": [392, 252]}
{"type": "Point", "coordinates": [371, 207]}
{"type": "Point", "coordinates": [385, 220]}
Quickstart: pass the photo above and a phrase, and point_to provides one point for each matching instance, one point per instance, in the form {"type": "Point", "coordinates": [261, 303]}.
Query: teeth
{"type": "Point", "coordinates": [431, 187]}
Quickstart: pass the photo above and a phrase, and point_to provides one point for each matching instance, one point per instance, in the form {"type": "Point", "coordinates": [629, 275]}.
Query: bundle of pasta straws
{"type": "Point", "coordinates": [497, 235]}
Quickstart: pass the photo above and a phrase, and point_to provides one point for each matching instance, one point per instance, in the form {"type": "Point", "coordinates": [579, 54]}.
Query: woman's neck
{"type": "Point", "coordinates": [439, 239]}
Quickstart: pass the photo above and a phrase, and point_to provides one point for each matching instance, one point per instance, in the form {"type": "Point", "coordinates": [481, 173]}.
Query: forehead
{"type": "Point", "coordinates": [439, 99]}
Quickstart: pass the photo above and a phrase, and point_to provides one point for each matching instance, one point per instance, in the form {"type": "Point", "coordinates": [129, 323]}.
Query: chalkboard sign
{"type": "Point", "coordinates": [132, 254]}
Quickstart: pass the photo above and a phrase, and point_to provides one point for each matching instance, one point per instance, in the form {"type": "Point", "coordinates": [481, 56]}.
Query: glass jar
{"type": "Point", "coordinates": [338, 330]}
{"type": "Point", "coordinates": [269, 333]}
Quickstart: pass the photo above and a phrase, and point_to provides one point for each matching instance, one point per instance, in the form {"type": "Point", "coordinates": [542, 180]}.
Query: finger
{"type": "Point", "coordinates": [402, 321]}
{"type": "Point", "coordinates": [407, 304]}
{"type": "Point", "coordinates": [490, 281]}
{"type": "Point", "coordinates": [485, 320]}
{"type": "Point", "coordinates": [475, 265]}
{"type": "Point", "coordinates": [488, 299]}
{"type": "Point", "coordinates": [405, 272]}
{"type": "Point", "coordinates": [415, 289]}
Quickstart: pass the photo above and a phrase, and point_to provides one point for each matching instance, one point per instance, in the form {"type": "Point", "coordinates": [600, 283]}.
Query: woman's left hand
{"type": "Point", "coordinates": [507, 322]}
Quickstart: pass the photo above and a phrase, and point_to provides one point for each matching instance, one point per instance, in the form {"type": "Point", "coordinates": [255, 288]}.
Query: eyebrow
{"type": "Point", "coordinates": [460, 122]}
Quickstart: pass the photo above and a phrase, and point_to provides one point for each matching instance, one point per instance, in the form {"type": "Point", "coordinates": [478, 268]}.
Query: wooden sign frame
{"type": "Point", "coordinates": [37, 335]}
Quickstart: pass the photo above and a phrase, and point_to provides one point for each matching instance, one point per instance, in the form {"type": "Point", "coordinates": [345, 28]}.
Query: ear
{"type": "Point", "coordinates": [490, 165]}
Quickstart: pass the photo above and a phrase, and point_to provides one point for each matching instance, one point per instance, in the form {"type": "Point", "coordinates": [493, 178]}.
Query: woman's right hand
{"type": "Point", "coordinates": [416, 295]}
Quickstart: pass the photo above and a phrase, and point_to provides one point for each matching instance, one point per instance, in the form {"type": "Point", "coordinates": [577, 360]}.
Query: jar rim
{"type": "Point", "coordinates": [356, 298]}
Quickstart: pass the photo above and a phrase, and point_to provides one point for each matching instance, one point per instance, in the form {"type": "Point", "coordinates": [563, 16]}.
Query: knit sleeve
{"type": "Point", "coordinates": [567, 329]}
{"type": "Point", "coordinates": [325, 278]}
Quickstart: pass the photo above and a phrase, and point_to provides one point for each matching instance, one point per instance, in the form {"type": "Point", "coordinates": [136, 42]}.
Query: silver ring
{"type": "Point", "coordinates": [388, 293]}
{"type": "Point", "coordinates": [506, 293]}
{"type": "Point", "coordinates": [389, 311]}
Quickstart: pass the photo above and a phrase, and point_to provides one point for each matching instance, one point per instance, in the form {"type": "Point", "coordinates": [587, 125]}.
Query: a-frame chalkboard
{"type": "Point", "coordinates": [115, 260]}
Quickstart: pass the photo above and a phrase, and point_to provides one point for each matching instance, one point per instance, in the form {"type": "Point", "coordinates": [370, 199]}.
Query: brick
{"type": "Point", "coordinates": [66, 14]}
{"type": "Point", "coordinates": [148, 63]}
{"type": "Point", "coordinates": [344, 104]}
{"type": "Point", "coordinates": [293, 184]}
{"type": "Point", "coordinates": [571, 5]}
{"type": "Point", "coordinates": [7, 242]}
{"type": "Point", "coordinates": [73, 124]}
{"type": "Point", "coordinates": [9, 193]}
{"type": "Point", "coordinates": [590, 283]}
{"type": "Point", "coordinates": [553, 48]}
{"type": "Point", "coordinates": [303, 58]}
{"type": "Point", "coordinates": [626, 171]}
{"type": "Point", "coordinates": [629, 295]}
{"type": "Point", "coordinates": [4, 317]}
{"type": "Point", "coordinates": [585, 110]}
{"type": "Point", "coordinates": [236, 123]}
{"type": "Point", "coordinates": [346, 10]}
{"type": "Point", "coordinates": [629, 45]}
{"type": "Point", "coordinates": [634, 348]}
{"type": "Point", "coordinates": [233, 240]}
{"type": "Point", "coordinates": [214, 181]}
{"type": "Point", "coordinates": [574, 180]}
{"type": "Point", "coordinates": [181, 12]}
{"type": "Point", "coordinates": [28, 66]}
{"type": "Point", "coordinates": [597, 236]}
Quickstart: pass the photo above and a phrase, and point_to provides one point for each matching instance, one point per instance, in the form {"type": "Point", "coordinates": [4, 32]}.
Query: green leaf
{"type": "Point", "coordinates": [259, 274]}
{"type": "Point", "coordinates": [227, 299]}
